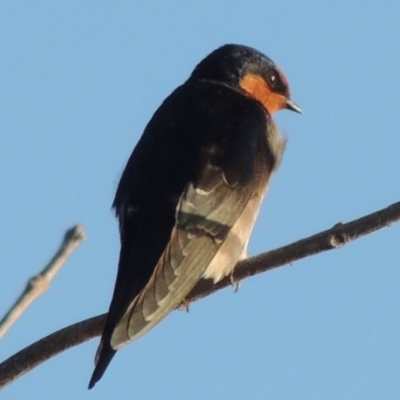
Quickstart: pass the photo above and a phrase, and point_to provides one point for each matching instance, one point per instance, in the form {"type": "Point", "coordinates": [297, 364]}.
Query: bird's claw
{"type": "Point", "coordinates": [236, 284]}
{"type": "Point", "coordinates": [185, 305]}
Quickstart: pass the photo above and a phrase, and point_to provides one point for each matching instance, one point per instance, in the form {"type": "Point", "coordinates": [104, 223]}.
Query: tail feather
{"type": "Point", "coordinates": [105, 354]}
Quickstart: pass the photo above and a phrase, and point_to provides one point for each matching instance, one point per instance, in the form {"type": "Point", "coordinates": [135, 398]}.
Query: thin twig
{"type": "Point", "coordinates": [333, 238]}
{"type": "Point", "coordinates": [40, 283]}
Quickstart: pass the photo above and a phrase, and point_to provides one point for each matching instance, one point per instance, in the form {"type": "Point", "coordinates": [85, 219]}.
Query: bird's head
{"type": "Point", "coordinates": [248, 71]}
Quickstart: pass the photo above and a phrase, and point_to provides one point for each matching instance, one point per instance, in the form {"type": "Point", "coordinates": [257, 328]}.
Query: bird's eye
{"type": "Point", "coordinates": [272, 79]}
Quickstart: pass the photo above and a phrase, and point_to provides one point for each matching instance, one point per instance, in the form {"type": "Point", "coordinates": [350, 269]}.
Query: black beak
{"type": "Point", "coordinates": [291, 105]}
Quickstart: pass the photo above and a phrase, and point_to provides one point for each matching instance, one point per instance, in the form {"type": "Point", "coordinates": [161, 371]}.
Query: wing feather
{"type": "Point", "coordinates": [204, 217]}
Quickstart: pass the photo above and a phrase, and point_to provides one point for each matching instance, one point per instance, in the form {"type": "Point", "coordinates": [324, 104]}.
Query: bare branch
{"type": "Point", "coordinates": [339, 235]}
{"type": "Point", "coordinates": [333, 238]}
{"type": "Point", "coordinates": [40, 283]}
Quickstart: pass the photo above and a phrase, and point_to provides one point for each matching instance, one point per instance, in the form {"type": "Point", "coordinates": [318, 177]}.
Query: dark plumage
{"type": "Point", "coordinates": [191, 190]}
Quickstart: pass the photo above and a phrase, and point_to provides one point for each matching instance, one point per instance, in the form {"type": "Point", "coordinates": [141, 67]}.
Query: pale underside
{"type": "Point", "coordinates": [235, 246]}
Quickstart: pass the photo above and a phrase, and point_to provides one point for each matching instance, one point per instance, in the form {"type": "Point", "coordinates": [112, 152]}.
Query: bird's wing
{"type": "Point", "coordinates": [205, 214]}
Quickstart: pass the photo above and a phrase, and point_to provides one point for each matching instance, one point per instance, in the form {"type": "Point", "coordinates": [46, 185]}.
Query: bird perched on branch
{"type": "Point", "coordinates": [191, 190]}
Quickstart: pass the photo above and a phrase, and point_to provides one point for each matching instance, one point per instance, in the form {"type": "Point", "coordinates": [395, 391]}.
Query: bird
{"type": "Point", "coordinates": [191, 190]}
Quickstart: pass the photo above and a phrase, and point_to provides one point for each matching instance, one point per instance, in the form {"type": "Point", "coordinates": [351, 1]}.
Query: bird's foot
{"type": "Point", "coordinates": [237, 284]}
{"type": "Point", "coordinates": [185, 305]}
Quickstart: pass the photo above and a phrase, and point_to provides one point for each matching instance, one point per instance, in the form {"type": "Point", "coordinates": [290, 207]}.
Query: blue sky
{"type": "Point", "coordinates": [80, 80]}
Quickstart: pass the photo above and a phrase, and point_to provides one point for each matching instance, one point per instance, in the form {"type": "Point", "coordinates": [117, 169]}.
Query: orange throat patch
{"type": "Point", "coordinates": [257, 88]}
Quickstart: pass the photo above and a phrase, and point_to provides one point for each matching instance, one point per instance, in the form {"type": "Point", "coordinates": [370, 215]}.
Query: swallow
{"type": "Point", "coordinates": [190, 193]}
